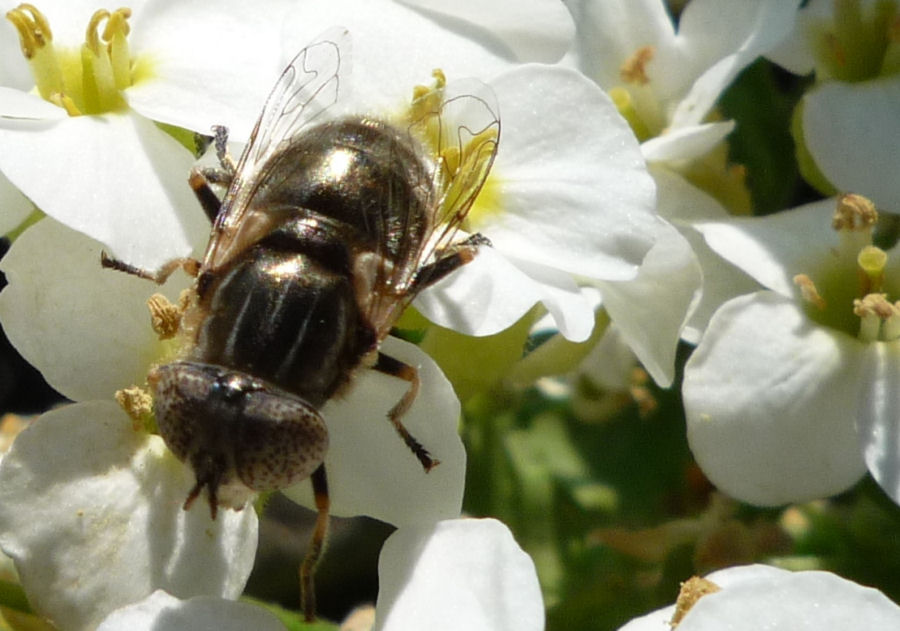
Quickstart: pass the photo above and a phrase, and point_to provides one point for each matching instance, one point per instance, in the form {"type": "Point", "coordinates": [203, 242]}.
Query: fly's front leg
{"type": "Point", "coordinates": [202, 179]}
{"type": "Point", "coordinates": [449, 260]}
{"type": "Point", "coordinates": [396, 368]}
{"type": "Point", "coordinates": [221, 142]}
{"type": "Point", "coordinates": [158, 276]}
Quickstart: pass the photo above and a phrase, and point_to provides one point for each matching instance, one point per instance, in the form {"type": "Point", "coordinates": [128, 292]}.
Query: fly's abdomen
{"type": "Point", "coordinates": [286, 318]}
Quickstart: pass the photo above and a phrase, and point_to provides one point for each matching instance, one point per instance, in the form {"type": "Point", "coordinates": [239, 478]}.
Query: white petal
{"type": "Point", "coordinates": [879, 411]}
{"type": "Point", "coordinates": [722, 37]}
{"type": "Point", "coordinates": [162, 611]}
{"type": "Point", "coordinates": [726, 578]}
{"type": "Point", "coordinates": [651, 310]}
{"type": "Point", "coordinates": [573, 189]}
{"type": "Point", "coordinates": [758, 597]}
{"type": "Point", "coordinates": [535, 30]}
{"type": "Point", "coordinates": [460, 574]}
{"type": "Point", "coordinates": [218, 74]}
{"type": "Point", "coordinates": [797, 53]}
{"type": "Point", "coordinates": [682, 203]}
{"type": "Point", "coordinates": [852, 131]}
{"type": "Point", "coordinates": [492, 292]}
{"type": "Point", "coordinates": [774, 249]}
{"type": "Point", "coordinates": [14, 207]}
{"type": "Point", "coordinates": [18, 104]}
{"type": "Point", "coordinates": [91, 511]}
{"type": "Point", "coordinates": [722, 281]}
{"type": "Point", "coordinates": [87, 329]}
{"type": "Point", "coordinates": [800, 601]}
{"type": "Point", "coordinates": [685, 143]}
{"type": "Point", "coordinates": [370, 469]}
{"type": "Point", "coordinates": [771, 400]}
{"type": "Point", "coordinates": [14, 70]}
{"type": "Point", "coordinates": [117, 178]}
{"type": "Point", "coordinates": [384, 75]}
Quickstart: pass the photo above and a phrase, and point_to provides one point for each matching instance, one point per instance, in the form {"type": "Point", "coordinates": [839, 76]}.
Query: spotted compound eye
{"type": "Point", "coordinates": [279, 442]}
{"type": "Point", "coordinates": [231, 427]}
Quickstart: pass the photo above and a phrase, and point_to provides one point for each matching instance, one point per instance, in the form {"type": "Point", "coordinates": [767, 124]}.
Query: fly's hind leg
{"type": "Point", "coordinates": [396, 368]}
{"type": "Point", "coordinates": [316, 545]}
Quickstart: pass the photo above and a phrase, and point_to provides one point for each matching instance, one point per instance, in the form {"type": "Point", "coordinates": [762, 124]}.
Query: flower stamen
{"type": "Point", "coordinates": [634, 69]}
{"type": "Point", "coordinates": [809, 293]}
{"type": "Point", "coordinates": [88, 80]}
{"type": "Point", "coordinates": [36, 40]}
{"type": "Point", "coordinates": [854, 212]}
{"type": "Point", "coordinates": [879, 319]}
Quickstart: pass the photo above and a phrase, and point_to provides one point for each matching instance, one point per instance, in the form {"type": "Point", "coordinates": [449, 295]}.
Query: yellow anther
{"type": "Point", "coordinates": [33, 28]}
{"type": "Point", "coordinates": [634, 69]}
{"type": "Point", "coordinates": [854, 212]}
{"type": "Point", "coordinates": [878, 318]}
{"type": "Point", "coordinates": [692, 590]}
{"type": "Point", "coordinates": [808, 291]}
{"type": "Point", "coordinates": [875, 305]}
{"type": "Point", "coordinates": [117, 23]}
{"type": "Point", "coordinates": [92, 33]}
{"type": "Point", "coordinates": [138, 405]}
{"type": "Point", "coordinates": [165, 316]}
{"type": "Point", "coordinates": [82, 80]}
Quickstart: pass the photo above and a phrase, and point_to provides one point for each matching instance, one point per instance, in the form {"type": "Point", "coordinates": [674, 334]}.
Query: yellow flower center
{"type": "Point", "coordinates": [860, 43]}
{"type": "Point", "coordinates": [463, 153]}
{"type": "Point", "coordinates": [852, 291]}
{"type": "Point", "coordinates": [85, 80]}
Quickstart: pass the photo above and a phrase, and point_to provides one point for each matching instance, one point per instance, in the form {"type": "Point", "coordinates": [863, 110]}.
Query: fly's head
{"type": "Point", "coordinates": [240, 434]}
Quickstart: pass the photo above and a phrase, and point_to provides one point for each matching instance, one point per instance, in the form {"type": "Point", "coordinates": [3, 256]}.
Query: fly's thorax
{"type": "Point", "coordinates": [363, 174]}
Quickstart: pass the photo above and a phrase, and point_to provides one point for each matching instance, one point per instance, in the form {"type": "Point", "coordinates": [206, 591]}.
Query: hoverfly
{"type": "Point", "coordinates": [330, 226]}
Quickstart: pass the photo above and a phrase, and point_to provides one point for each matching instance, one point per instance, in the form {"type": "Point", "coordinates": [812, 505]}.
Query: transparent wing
{"type": "Point", "coordinates": [461, 132]}
{"type": "Point", "coordinates": [468, 125]}
{"type": "Point", "coordinates": [310, 84]}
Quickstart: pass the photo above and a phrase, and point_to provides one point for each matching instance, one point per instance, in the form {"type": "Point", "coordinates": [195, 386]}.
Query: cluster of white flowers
{"type": "Point", "coordinates": [607, 108]}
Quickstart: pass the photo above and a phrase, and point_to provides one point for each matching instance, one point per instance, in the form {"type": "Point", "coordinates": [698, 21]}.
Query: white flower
{"type": "Point", "coordinates": [462, 574]}
{"type": "Point", "coordinates": [110, 168]}
{"type": "Point", "coordinates": [789, 395]}
{"type": "Point", "coordinates": [759, 597]}
{"type": "Point", "coordinates": [786, 400]}
{"type": "Point", "coordinates": [668, 79]}
{"type": "Point", "coordinates": [848, 121]}
{"type": "Point", "coordinates": [87, 330]}
{"type": "Point", "coordinates": [90, 511]}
